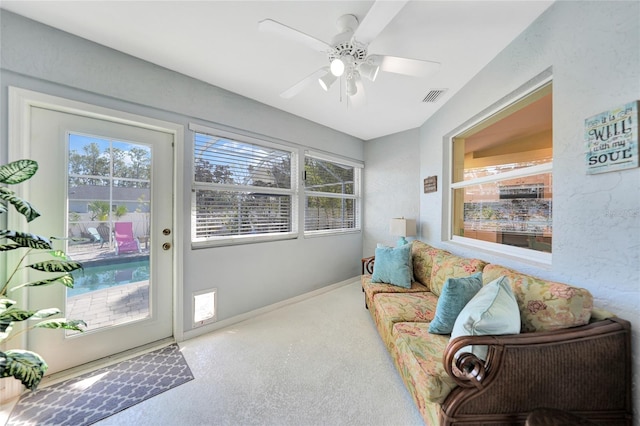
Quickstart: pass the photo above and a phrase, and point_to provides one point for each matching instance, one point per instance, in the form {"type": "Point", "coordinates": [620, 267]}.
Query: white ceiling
{"type": "Point", "coordinates": [218, 42]}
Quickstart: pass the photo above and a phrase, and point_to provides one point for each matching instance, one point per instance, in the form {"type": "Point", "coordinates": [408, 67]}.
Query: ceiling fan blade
{"type": "Point", "coordinates": [406, 66]}
{"type": "Point", "coordinates": [299, 86]}
{"type": "Point", "coordinates": [378, 17]}
{"type": "Point", "coordinates": [271, 26]}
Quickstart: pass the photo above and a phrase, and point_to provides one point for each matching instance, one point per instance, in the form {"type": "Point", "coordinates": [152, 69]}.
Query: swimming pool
{"type": "Point", "coordinates": [100, 277]}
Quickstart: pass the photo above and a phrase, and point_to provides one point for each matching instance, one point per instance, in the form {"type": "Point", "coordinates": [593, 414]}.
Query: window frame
{"type": "Point", "coordinates": [293, 192]}
{"type": "Point", "coordinates": [356, 196]}
{"type": "Point", "coordinates": [537, 257]}
{"type": "Point", "coordinates": [298, 201]}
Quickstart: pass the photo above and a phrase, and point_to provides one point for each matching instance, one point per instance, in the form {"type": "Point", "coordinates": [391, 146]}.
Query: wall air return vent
{"type": "Point", "coordinates": [434, 95]}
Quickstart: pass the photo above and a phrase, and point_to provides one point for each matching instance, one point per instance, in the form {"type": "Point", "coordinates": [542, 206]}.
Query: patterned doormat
{"type": "Point", "coordinates": [97, 395]}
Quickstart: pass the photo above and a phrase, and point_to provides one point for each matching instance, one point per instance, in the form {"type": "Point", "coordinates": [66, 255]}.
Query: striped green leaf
{"type": "Point", "coordinates": [23, 207]}
{"type": "Point", "coordinates": [17, 171]}
{"type": "Point", "coordinates": [59, 254]}
{"type": "Point", "coordinates": [66, 280]}
{"type": "Point", "coordinates": [62, 323]}
{"type": "Point", "coordinates": [13, 314]}
{"type": "Point", "coordinates": [56, 266]}
{"type": "Point", "coordinates": [11, 246]}
{"type": "Point", "coordinates": [25, 239]}
{"type": "Point", "coordinates": [45, 313]}
{"type": "Point", "coordinates": [26, 366]}
{"type": "Point", "coordinates": [5, 325]}
{"type": "Point", "coordinates": [5, 329]}
{"type": "Point", "coordinates": [6, 304]}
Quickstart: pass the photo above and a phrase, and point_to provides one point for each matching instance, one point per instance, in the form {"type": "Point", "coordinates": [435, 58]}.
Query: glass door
{"type": "Point", "coordinates": [109, 213]}
{"type": "Point", "coordinates": [108, 186]}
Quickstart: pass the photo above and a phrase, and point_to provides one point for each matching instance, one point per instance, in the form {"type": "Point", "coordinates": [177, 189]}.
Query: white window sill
{"type": "Point", "coordinates": [533, 257]}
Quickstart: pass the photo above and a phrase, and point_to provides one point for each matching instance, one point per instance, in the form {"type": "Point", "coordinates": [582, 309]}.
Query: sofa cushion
{"type": "Point", "coordinates": [422, 258]}
{"type": "Point", "coordinates": [446, 265]}
{"type": "Point", "coordinates": [393, 266]}
{"type": "Point", "coordinates": [391, 308]}
{"type": "Point", "coordinates": [456, 293]}
{"type": "Point", "coordinates": [400, 243]}
{"type": "Point", "coordinates": [418, 357]}
{"type": "Point", "coordinates": [544, 305]}
{"type": "Point", "coordinates": [492, 311]}
{"type": "Point", "coordinates": [371, 289]}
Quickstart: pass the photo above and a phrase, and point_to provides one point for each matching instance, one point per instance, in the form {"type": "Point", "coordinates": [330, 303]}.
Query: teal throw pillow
{"type": "Point", "coordinates": [456, 293]}
{"type": "Point", "coordinates": [393, 266]}
{"type": "Point", "coordinates": [492, 311]}
{"type": "Point", "coordinates": [380, 245]}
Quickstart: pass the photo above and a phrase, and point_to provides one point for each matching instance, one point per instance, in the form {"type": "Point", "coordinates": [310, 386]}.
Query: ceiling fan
{"type": "Point", "coordinates": [348, 55]}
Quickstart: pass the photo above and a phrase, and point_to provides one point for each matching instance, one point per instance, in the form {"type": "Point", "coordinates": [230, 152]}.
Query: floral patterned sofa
{"type": "Point", "coordinates": [560, 353]}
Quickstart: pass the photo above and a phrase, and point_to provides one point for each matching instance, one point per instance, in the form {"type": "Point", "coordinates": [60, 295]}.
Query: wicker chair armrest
{"type": "Point", "coordinates": [470, 371]}
{"type": "Point", "coordinates": [467, 369]}
{"type": "Point", "coordinates": [585, 370]}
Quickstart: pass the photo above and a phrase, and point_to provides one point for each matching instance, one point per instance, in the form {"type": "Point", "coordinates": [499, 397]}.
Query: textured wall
{"type": "Point", "coordinates": [592, 51]}
{"type": "Point", "coordinates": [247, 277]}
{"type": "Point", "coordinates": [391, 179]}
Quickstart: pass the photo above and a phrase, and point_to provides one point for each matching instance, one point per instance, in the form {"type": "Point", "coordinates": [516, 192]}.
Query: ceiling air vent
{"type": "Point", "coordinates": [434, 95]}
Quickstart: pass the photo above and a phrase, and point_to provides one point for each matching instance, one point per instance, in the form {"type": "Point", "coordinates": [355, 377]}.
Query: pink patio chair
{"type": "Point", "coordinates": [125, 241]}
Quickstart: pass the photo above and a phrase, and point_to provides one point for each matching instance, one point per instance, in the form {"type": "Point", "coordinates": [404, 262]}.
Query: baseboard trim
{"type": "Point", "coordinates": [190, 334]}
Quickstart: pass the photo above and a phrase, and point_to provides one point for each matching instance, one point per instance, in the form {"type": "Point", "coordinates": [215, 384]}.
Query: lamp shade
{"type": "Point", "coordinates": [403, 227]}
{"type": "Point", "coordinates": [327, 80]}
{"type": "Point", "coordinates": [369, 71]}
{"type": "Point", "coordinates": [352, 89]}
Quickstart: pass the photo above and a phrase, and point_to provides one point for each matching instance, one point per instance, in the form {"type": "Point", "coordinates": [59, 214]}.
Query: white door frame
{"type": "Point", "coordinates": [19, 118]}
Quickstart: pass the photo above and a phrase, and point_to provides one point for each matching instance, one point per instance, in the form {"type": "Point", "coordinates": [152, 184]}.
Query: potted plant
{"type": "Point", "coordinates": [24, 365]}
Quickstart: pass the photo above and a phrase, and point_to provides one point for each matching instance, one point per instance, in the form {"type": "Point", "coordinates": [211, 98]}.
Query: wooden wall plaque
{"type": "Point", "coordinates": [430, 184]}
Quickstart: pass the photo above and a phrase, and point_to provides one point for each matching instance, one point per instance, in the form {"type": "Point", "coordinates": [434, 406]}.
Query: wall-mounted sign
{"type": "Point", "coordinates": [612, 139]}
{"type": "Point", "coordinates": [430, 184]}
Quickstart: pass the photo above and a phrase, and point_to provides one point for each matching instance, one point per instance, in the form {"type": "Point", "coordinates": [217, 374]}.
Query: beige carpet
{"type": "Point", "coordinates": [317, 362]}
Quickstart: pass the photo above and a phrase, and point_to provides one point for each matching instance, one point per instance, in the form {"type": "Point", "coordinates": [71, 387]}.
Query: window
{"type": "Point", "coordinates": [108, 179]}
{"type": "Point", "coordinates": [244, 189]}
{"type": "Point", "coordinates": [332, 195]}
{"type": "Point", "coordinates": [502, 179]}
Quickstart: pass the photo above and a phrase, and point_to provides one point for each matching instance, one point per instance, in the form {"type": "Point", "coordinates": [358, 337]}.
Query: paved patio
{"type": "Point", "coordinates": [116, 305]}
{"type": "Point", "coordinates": [112, 306]}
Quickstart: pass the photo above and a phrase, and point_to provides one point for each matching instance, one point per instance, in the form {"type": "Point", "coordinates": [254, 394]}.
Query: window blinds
{"type": "Point", "coordinates": [240, 188]}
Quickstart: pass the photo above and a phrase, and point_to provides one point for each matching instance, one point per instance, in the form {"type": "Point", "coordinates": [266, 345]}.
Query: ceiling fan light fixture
{"type": "Point", "coordinates": [337, 67]}
{"type": "Point", "coordinates": [352, 89]}
{"type": "Point", "coordinates": [327, 80]}
{"type": "Point", "coordinates": [369, 71]}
